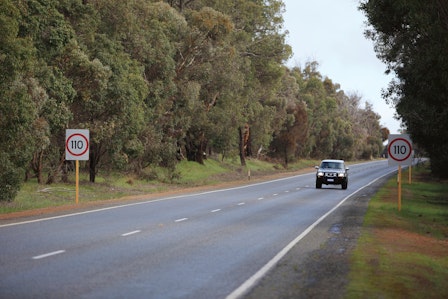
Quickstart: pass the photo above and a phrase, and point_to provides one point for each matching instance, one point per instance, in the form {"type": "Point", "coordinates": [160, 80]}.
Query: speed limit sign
{"type": "Point", "coordinates": [77, 145]}
{"type": "Point", "coordinates": [399, 150]}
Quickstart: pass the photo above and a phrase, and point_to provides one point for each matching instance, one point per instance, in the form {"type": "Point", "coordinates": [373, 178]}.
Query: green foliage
{"type": "Point", "coordinates": [10, 177]}
{"type": "Point", "coordinates": [157, 82]}
{"type": "Point", "coordinates": [411, 37]}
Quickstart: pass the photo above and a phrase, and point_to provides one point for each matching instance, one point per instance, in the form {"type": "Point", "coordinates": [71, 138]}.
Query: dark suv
{"type": "Point", "coordinates": [332, 172]}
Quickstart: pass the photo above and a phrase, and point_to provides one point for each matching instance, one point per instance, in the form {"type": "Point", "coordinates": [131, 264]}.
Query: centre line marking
{"type": "Point", "coordinates": [38, 257]}
{"type": "Point", "coordinates": [241, 203]}
{"type": "Point", "coordinates": [217, 210]}
{"type": "Point", "coordinates": [181, 219]}
{"type": "Point", "coordinates": [131, 233]}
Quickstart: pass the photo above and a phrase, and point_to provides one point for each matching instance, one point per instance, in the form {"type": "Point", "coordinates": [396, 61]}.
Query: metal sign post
{"type": "Point", "coordinates": [77, 148]}
{"type": "Point", "coordinates": [400, 152]}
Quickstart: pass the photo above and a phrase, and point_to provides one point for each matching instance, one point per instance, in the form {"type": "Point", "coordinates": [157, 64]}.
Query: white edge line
{"type": "Point", "coordinates": [250, 283]}
{"type": "Point", "coordinates": [147, 202]}
{"type": "Point", "coordinates": [157, 200]}
{"type": "Point", "coordinates": [181, 219]}
{"type": "Point", "coordinates": [38, 257]}
{"type": "Point", "coordinates": [131, 233]}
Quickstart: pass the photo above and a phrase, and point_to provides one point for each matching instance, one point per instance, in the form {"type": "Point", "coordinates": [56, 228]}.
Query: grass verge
{"type": "Point", "coordinates": [117, 186]}
{"type": "Point", "coordinates": [403, 254]}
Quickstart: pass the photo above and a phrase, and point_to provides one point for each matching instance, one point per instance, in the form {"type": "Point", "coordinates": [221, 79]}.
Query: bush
{"type": "Point", "coordinates": [10, 179]}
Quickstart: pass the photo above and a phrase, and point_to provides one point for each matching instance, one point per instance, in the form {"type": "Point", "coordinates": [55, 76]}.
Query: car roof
{"type": "Point", "coordinates": [333, 160]}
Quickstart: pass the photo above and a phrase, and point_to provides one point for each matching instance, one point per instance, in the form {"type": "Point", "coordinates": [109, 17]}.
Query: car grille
{"type": "Point", "coordinates": [331, 174]}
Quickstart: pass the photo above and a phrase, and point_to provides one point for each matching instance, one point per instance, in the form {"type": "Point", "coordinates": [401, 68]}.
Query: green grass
{"type": "Point", "coordinates": [403, 254]}
{"type": "Point", "coordinates": [110, 186]}
{"type": "Point", "coordinates": [198, 174]}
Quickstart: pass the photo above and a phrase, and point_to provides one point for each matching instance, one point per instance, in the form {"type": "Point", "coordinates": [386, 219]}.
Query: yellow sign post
{"type": "Point", "coordinates": [77, 148]}
{"type": "Point", "coordinates": [399, 188]}
{"type": "Point", "coordinates": [400, 152]}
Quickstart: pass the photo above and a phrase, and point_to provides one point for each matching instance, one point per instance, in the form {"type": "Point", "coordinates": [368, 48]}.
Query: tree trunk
{"type": "Point", "coordinates": [247, 145]}
{"type": "Point", "coordinates": [241, 146]}
{"type": "Point", "coordinates": [92, 165]}
{"type": "Point", "coordinates": [195, 148]}
{"type": "Point", "coordinates": [55, 170]}
{"type": "Point", "coordinates": [36, 166]}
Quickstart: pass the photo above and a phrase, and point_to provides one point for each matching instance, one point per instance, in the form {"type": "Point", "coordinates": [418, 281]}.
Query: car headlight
{"type": "Point", "coordinates": [320, 173]}
{"type": "Point", "coordinates": [341, 175]}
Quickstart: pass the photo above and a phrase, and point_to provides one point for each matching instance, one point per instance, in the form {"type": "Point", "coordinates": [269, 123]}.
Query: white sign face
{"type": "Point", "coordinates": [77, 144]}
{"type": "Point", "coordinates": [399, 150]}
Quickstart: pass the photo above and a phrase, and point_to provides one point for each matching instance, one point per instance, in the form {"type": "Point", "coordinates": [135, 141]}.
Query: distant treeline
{"type": "Point", "coordinates": [160, 81]}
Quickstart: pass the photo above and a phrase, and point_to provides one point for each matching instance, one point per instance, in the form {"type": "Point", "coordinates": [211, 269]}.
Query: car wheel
{"type": "Point", "coordinates": [344, 185]}
{"type": "Point", "coordinates": [318, 184]}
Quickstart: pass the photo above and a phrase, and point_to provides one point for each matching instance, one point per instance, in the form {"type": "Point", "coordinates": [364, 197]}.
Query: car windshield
{"type": "Point", "coordinates": [332, 165]}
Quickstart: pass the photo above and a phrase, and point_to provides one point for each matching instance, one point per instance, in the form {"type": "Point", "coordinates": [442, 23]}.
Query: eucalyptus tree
{"type": "Point", "coordinates": [263, 50]}
{"type": "Point", "coordinates": [289, 141]}
{"type": "Point", "coordinates": [39, 28]}
{"type": "Point", "coordinates": [209, 80]}
{"type": "Point", "coordinates": [111, 90]}
{"type": "Point", "coordinates": [52, 36]}
{"type": "Point", "coordinates": [322, 108]}
{"type": "Point", "coordinates": [152, 34]}
{"type": "Point", "coordinates": [18, 109]}
{"type": "Point", "coordinates": [260, 50]}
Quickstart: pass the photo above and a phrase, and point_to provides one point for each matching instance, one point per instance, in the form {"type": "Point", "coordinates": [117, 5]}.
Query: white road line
{"type": "Point", "coordinates": [38, 257]}
{"type": "Point", "coordinates": [152, 201]}
{"type": "Point", "coordinates": [217, 210]}
{"type": "Point", "coordinates": [260, 198]}
{"type": "Point", "coordinates": [164, 199]}
{"type": "Point", "coordinates": [241, 203]}
{"type": "Point", "coordinates": [181, 219]}
{"type": "Point", "coordinates": [275, 194]}
{"type": "Point", "coordinates": [249, 283]}
{"type": "Point", "coordinates": [287, 191]}
{"type": "Point", "coordinates": [131, 233]}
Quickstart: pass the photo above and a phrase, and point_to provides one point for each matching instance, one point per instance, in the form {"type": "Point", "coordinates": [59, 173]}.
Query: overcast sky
{"type": "Point", "coordinates": [331, 33]}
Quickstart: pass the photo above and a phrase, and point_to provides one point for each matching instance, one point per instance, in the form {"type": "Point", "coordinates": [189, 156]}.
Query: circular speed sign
{"type": "Point", "coordinates": [400, 149]}
{"type": "Point", "coordinates": [77, 145]}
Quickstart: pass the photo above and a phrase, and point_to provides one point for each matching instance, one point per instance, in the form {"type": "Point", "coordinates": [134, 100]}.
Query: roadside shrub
{"type": "Point", "coordinates": [10, 179]}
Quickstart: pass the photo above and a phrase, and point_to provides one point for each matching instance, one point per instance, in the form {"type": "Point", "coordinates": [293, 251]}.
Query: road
{"type": "Point", "coordinates": [214, 244]}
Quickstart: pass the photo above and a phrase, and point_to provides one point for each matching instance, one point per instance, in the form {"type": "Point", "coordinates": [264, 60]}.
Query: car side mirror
{"type": "Point", "coordinates": [317, 167]}
{"type": "Point", "coordinates": [346, 168]}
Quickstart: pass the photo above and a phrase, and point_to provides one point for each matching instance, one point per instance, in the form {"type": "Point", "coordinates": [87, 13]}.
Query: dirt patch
{"type": "Point", "coordinates": [398, 240]}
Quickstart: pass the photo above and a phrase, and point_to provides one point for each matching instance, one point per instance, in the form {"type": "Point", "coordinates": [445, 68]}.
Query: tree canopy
{"type": "Point", "coordinates": [160, 81]}
{"type": "Point", "coordinates": [411, 37]}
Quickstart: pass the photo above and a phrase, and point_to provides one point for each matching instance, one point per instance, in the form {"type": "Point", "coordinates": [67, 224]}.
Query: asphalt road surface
{"type": "Point", "coordinates": [214, 244]}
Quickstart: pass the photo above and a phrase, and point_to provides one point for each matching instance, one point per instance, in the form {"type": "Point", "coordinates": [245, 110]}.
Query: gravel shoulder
{"type": "Point", "coordinates": [318, 266]}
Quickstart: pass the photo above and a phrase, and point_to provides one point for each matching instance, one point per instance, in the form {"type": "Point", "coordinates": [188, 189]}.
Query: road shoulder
{"type": "Point", "coordinates": [318, 266]}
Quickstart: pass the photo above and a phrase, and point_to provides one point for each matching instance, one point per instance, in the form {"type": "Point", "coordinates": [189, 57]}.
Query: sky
{"type": "Point", "coordinates": [331, 32]}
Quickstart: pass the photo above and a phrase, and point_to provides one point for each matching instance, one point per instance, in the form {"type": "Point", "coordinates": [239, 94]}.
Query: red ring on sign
{"type": "Point", "coordinates": [410, 149]}
{"type": "Point", "coordinates": [68, 148]}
